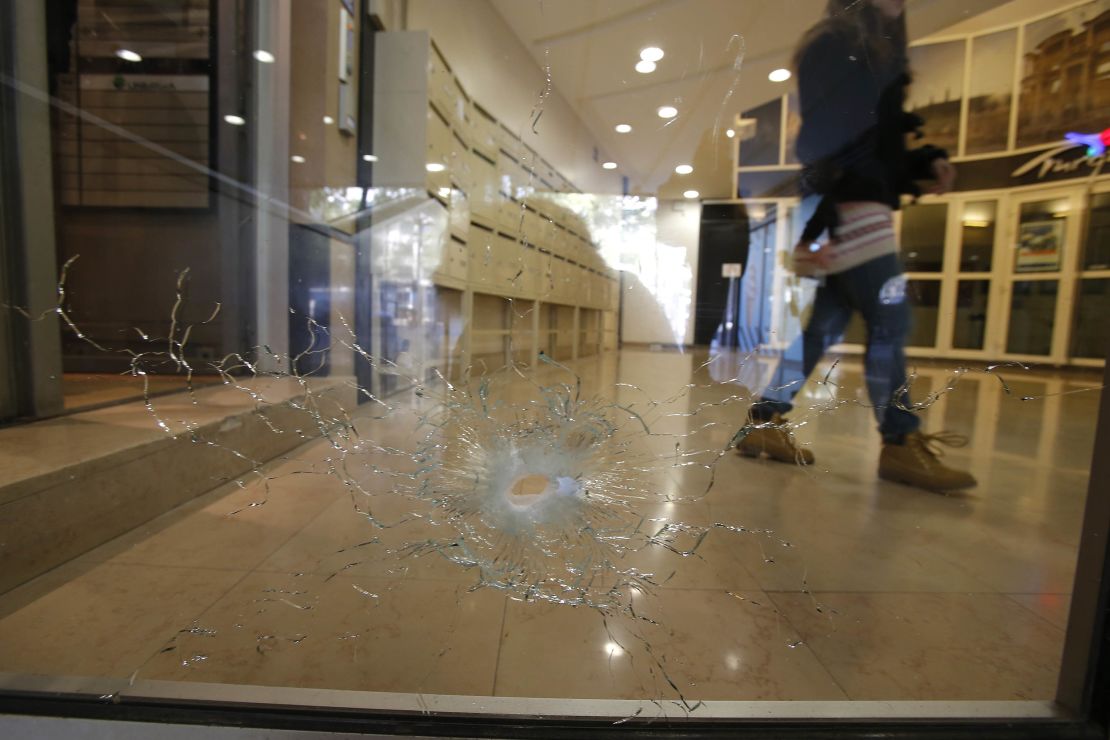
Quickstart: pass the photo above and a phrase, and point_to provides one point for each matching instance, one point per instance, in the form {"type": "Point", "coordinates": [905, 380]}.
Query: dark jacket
{"type": "Point", "coordinates": [852, 143]}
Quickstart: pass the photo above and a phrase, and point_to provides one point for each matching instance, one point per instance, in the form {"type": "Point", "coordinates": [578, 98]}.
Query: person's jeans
{"type": "Point", "coordinates": [877, 289]}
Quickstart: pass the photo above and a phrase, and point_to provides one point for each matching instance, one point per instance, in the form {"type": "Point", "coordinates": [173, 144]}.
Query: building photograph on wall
{"type": "Point", "coordinates": [1065, 79]}
{"type": "Point", "coordinates": [990, 92]}
{"type": "Point", "coordinates": [937, 91]}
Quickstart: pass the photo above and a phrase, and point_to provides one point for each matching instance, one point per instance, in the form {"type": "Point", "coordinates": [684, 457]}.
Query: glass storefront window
{"type": "Point", "coordinates": [923, 236]}
{"type": "Point", "coordinates": [924, 297]}
{"type": "Point", "coordinates": [454, 361]}
{"type": "Point", "coordinates": [977, 231]}
{"type": "Point", "coordinates": [1096, 253]}
{"type": "Point", "coordinates": [972, 301]}
{"type": "Point", "coordinates": [1089, 333]}
{"type": "Point", "coordinates": [1032, 312]}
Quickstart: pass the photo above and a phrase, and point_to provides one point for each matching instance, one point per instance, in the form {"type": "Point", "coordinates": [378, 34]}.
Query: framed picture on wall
{"type": "Point", "coordinates": [1040, 244]}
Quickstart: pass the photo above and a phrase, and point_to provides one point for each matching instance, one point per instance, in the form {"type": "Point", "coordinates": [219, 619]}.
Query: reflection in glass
{"type": "Point", "coordinates": [1096, 252]}
{"type": "Point", "coordinates": [924, 297]}
{"type": "Point", "coordinates": [1032, 307]}
{"type": "Point", "coordinates": [977, 236]}
{"type": "Point", "coordinates": [1039, 243]}
{"type": "Point", "coordinates": [972, 297]}
{"type": "Point", "coordinates": [922, 241]}
{"type": "Point", "coordinates": [1089, 335]}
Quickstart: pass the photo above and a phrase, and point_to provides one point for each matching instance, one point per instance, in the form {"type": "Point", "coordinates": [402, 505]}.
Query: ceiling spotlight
{"type": "Point", "coordinates": [328, 120]}
{"type": "Point", "coordinates": [691, 194]}
{"type": "Point", "coordinates": [623, 128]}
{"type": "Point", "coordinates": [667, 111]}
{"type": "Point", "coordinates": [684, 169]}
{"type": "Point", "coordinates": [609, 166]}
{"type": "Point", "coordinates": [297, 158]}
{"type": "Point", "coordinates": [235, 120]}
{"type": "Point", "coordinates": [779, 75]}
{"type": "Point", "coordinates": [435, 167]}
{"type": "Point", "coordinates": [730, 133]}
{"type": "Point", "coordinates": [651, 54]}
{"type": "Point", "coordinates": [369, 158]}
{"type": "Point", "coordinates": [128, 56]}
{"type": "Point", "coordinates": [645, 68]}
{"type": "Point", "coordinates": [263, 56]}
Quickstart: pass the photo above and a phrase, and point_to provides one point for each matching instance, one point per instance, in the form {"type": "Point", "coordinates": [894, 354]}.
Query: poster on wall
{"type": "Point", "coordinates": [1065, 84]}
{"type": "Point", "coordinates": [937, 91]}
{"type": "Point", "coordinates": [990, 92]}
{"type": "Point", "coordinates": [1040, 244]}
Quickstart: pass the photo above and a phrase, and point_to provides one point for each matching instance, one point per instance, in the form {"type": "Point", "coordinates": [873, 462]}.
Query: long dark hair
{"type": "Point", "coordinates": [882, 39]}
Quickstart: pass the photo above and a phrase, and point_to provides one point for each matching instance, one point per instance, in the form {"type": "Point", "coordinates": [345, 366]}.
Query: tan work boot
{"type": "Point", "coordinates": [917, 462]}
{"type": "Point", "coordinates": [775, 440]}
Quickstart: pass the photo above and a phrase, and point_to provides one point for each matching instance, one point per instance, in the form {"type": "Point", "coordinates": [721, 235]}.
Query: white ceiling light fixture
{"type": "Point", "coordinates": [297, 158]}
{"type": "Point", "coordinates": [623, 128]}
{"type": "Point", "coordinates": [684, 169]}
{"type": "Point", "coordinates": [730, 133]}
{"type": "Point", "coordinates": [651, 54]}
{"type": "Point", "coordinates": [328, 120]}
{"type": "Point", "coordinates": [691, 194]}
{"type": "Point", "coordinates": [263, 56]}
{"type": "Point", "coordinates": [435, 167]}
{"type": "Point", "coordinates": [779, 75]}
{"type": "Point", "coordinates": [369, 158]}
{"type": "Point", "coordinates": [667, 111]}
{"type": "Point", "coordinates": [128, 56]}
{"type": "Point", "coordinates": [235, 120]}
{"type": "Point", "coordinates": [609, 166]}
{"type": "Point", "coordinates": [645, 67]}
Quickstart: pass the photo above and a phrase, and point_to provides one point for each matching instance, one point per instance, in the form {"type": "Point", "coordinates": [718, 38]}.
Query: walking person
{"type": "Point", "coordinates": [852, 77]}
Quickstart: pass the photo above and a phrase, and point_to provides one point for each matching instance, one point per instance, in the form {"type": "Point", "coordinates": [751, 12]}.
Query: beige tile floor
{"type": "Point", "coordinates": [882, 592]}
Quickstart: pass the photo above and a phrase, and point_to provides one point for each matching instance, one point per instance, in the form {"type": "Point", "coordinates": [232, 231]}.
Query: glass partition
{"type": "Point", "coordinates": [460, 363]}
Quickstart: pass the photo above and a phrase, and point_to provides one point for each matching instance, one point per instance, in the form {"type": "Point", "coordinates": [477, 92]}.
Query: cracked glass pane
{"type": "Point", "coordinates": [669, 353]}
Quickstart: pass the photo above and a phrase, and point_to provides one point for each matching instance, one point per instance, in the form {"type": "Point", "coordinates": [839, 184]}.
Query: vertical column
{"type": "Point", "coordinates": [575, 333]}
{"type": "Point", "coordinates": [468, 328]}
{"type": "Point", "coordinates": [28, 211]}
{"type": "Point", "coordinates": [271, 171]}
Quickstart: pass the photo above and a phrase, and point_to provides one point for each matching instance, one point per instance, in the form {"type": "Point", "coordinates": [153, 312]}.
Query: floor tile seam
{"type": "Point", "coordinates": [292, 534]}
{"type": "Point", "coordinates": [199, 615]}
{"type": "Point", "coordinates": [1036, 614]}
{"type": "Point", "coordinates": [808, 646]}
{"type": "Point", "coordinates": [500, 644]}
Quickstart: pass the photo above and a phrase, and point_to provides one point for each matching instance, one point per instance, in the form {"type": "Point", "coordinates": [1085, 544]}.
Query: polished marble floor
{"type": "Point", "coordinates": [830, 584]}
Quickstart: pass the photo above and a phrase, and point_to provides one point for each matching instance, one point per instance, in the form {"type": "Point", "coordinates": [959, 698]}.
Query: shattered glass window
{"type": "Point", "coordinates": [664, 353]}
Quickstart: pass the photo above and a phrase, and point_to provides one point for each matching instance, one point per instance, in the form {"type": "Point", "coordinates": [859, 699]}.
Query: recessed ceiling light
{"type": "Point", "coordinates": [128, 56]}
{"type": "Point", "coordinates": [691, 194]}
{"type": "Point", "coordinates": [297, 158]}
{"type": "Point", "coordinates": [651, 54]}
{"type": "Point", "coordinates": [730, 133]}
{"type": "Point", "coordinates": [645, 68]}
{"type": "Point", "coordinates": [779, 75]}
{"type": "Point", "coordinates": [609, 166]}
{"type": "Point", "coordinates": [235, 120]}
{"type": "Point", "coordinates": [667, 111]}
{"type": "Point", "coordinates": [369, 158]}
{"type": "Point", "coordinates": [263, 56]}
{"type": "Point", "coordinates": [623, 128]}
{"type": "Point", "coordinates": [328, 120]}
{"type": "Point", "coordinates": [435, 167]}
{"type": "Point", "coordinates": [684, 169]}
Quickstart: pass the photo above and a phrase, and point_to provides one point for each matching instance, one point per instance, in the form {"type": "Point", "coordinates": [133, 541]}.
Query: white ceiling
{"type": "Point", "coordinates": [718, 55]}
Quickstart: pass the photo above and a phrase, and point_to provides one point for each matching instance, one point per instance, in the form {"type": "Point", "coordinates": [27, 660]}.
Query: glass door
{"type": "Point", "coordinates": [1036, 261]}
{"type": "Point", "coordinates": [1092, 293]}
